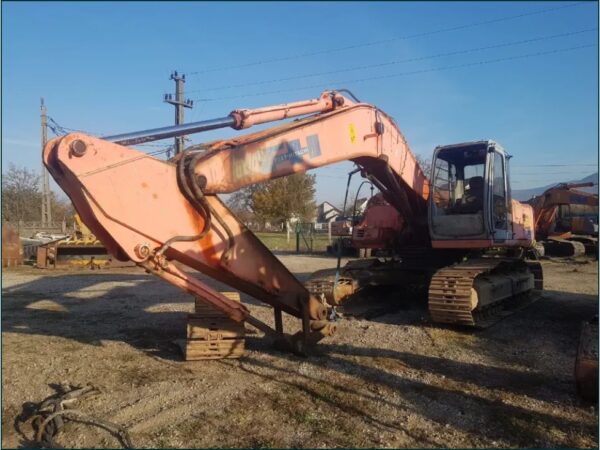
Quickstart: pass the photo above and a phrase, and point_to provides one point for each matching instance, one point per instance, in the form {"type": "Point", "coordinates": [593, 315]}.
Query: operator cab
{"type": "Point", "coordinates": [470, 196]}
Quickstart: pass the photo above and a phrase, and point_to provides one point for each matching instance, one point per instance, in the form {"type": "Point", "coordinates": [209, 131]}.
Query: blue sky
{"type": "Point", "coordinates": [104, 67]}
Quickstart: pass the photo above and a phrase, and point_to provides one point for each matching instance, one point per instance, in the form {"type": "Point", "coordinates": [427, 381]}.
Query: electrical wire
{"type": "Point", "coordinates": [554, 165]}
{"type": "Point", "coordinates": [385, 41]}
{"type": "Point", "coordinates": [59, 130]}
{"type": "Point", "coordinates": [414, 72]}
{"type": "Point", "coordinates": [66, 130]}
{"type": "Point", "coordinates": [391, 63]}
{"type": "Point", "coordinates": [520, 174]}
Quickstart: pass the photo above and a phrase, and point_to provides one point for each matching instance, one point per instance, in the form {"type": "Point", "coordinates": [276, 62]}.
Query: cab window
{"type": "Point", "coordinates": [458, 183]}
{"type": "Point", "coordinates": [499, 193]}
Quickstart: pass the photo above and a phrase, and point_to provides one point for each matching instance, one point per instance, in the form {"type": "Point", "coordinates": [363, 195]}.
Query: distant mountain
{"type": "Point", "coordinates": [526, 194]}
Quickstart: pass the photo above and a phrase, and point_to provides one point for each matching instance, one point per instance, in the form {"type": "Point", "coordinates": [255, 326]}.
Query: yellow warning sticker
{"type": "Point", "coordinates": [352, 133]}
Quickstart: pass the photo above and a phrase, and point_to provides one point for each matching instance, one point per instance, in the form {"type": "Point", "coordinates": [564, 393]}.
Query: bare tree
{"type": "Point", "coordinates": [425, 164]}
{"type": "Point", "coordinates": [22, 198]}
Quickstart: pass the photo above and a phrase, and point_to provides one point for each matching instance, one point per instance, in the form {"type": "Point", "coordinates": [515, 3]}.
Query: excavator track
{"type": "Point", "coordinates": [560, 247]}
{"type": "Point", "coordinates": [480, 292]}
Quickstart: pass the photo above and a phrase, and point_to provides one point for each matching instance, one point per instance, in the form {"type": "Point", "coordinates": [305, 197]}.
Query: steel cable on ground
{"type": "Point", "coordinates": [414, 72]}
{"type": "Point", "coordinates": [401, 61]}
{"type": "Point", "coordinates": [384, 41]}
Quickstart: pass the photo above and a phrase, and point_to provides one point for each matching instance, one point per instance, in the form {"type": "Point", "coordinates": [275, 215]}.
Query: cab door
{"type": "Point", "coordinates": [499, 196]}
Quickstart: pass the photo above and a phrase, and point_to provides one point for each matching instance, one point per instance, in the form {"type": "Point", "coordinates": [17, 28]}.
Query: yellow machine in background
{"type": "Point", "coordinates": [81, 249]}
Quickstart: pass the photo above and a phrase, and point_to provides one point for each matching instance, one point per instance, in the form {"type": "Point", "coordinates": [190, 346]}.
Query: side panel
{"type": "Point", "coordinates": [522, 223]}
{"type": "Point", "coordinates": [522, 232]}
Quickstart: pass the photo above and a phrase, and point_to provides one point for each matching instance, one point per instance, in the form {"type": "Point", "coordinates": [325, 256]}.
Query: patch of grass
{"type": "Point", "coordinates": [278, 241]}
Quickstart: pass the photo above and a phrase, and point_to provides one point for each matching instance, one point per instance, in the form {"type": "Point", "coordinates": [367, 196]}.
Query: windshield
{"type": "Point", "coordinates": [458, 181]}
{"type": "Point", "coordinates": [458, 190]}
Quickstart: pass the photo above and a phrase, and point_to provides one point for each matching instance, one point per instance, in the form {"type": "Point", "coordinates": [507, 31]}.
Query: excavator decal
{"type": "Point", "coordinates": [267, 160]}
{"type": "Point", "coordinates": [352, 133]}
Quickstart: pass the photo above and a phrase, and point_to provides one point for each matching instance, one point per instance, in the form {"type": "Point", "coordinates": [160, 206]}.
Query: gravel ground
{"type": "Point", "coordinates": [391, 381]}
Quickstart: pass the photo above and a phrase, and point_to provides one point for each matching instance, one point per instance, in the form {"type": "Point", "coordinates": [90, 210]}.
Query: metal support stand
{"type": "Point", "coordinates": [305, 321]}
{"type": "Point", "coordinates": [278, 320]}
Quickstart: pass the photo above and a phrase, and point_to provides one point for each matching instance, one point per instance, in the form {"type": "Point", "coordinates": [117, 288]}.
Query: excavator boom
{"type": "Point", "coordinates": [155, 212]}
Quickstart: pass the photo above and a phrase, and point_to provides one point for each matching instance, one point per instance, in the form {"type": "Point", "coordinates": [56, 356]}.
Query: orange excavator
{"type": "Point", "coordinates": [462, 230]}
{"type": "Point", "coordinates": [566, 220]}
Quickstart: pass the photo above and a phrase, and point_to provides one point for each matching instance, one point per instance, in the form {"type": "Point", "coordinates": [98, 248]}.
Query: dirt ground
{"type": "Point", "coordinates": [391, 381]}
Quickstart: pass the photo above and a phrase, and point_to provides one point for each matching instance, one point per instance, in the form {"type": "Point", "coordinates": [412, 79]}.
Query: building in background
{"type": "Point", "coordinates": [326, 212]}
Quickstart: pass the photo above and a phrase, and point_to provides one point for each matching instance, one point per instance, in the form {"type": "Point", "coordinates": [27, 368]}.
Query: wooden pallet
{"type": "Point", "coordinates": [213, 328]}
{"type": "Point", "coordinates": [206, 310]}
{"type": "Point", "coordinates": [197, 349]}
{"type": "Point", "coordinates": [213, 335]}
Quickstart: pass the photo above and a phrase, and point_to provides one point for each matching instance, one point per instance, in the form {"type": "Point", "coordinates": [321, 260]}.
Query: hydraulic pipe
{"type": "Point", "coordinates": [238, 119]}
{"type": "Point", "coordinates": [155, 134]}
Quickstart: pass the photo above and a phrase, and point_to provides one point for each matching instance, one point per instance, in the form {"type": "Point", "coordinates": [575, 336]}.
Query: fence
{"type": "Point", "coordinates": [28, 229]}
{"type": "Point", "coordinates": [312, 238]}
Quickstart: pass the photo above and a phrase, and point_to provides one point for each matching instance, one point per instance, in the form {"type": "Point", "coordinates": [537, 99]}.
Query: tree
{"type": "Point", "coordinates": [425, 164]}
{"type": "Point", "coordinates": [278, 200]}
{"type": "Point", "coordinates": [62, 208]}
{"type": "Point", "coordinates": [241, 203]}
{"type": "Point", "coordinates": [22, 198]}
{"type": "Point", "coordinates": [349, 204]}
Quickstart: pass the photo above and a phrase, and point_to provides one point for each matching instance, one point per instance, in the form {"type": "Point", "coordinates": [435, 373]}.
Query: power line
{"type": "Point", "coordinates": [414, 72]}
{"type": "Point", "coordinates": [544, 173]}
{"type": "Point", "coordinates": [390, 63]}
{"type": "Point", "coordinates": [153, 145]}
{"type": "Point", "coordinates": [536, 180]}
{"type": "Point", "coordinates": [384, 41]}
{"type": "Point", "coordinates": [553, 165]}
{"type": "Point", "coordinates": [59, 130]}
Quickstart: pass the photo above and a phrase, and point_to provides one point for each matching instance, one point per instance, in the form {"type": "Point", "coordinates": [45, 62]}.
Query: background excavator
{"type": "Point", "coordinates": [461, 236]}
{"type": "Point", "coordinates": [80, 249]}
{"type": "Point", "coordinates": [566, 220]}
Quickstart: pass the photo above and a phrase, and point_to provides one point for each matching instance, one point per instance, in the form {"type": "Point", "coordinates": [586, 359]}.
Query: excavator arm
{"type": "Point", "coordinates": [157, 213]}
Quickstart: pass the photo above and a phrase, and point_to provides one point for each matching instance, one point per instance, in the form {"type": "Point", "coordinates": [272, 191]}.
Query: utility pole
{"type": "Point", "coordinates": [179, 104]}
{"type": "Point", "coordinates": [46, 204]}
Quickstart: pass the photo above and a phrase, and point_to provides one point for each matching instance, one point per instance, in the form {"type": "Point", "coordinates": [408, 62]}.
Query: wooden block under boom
{"type": "Point", "coordinates": [206, 310]}
{"type": "Point", "coordinates": [213, 335]}
{"type": "Point", "coordinates": [213, 328]}
{"type": "Point", "coordinates": [197, 349]}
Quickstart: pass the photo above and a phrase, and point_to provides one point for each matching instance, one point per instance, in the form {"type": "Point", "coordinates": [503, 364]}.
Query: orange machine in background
{"type": "Point", "coordinates": [566, 220]}
{"type": "Point", "coordinates": [12, 250]}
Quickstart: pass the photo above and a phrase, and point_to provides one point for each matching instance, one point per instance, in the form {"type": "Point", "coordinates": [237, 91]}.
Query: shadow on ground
{"type": "Point", "coordinates": [81, 307]}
